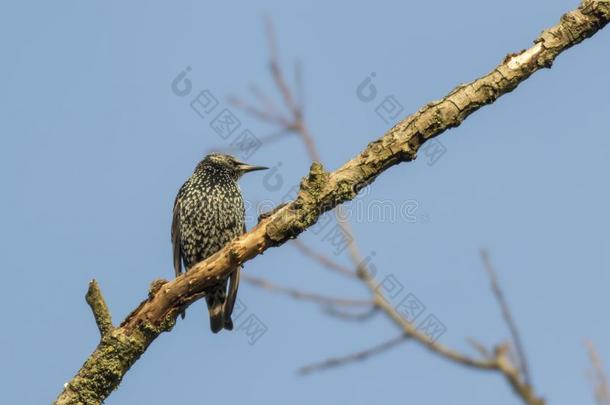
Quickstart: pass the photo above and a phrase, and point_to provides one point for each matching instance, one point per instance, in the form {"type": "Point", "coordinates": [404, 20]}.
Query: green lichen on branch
{"type": "Point", "coordinates": [105, 368]}
{"type": "Point", "coordinates": [98, 306]}
{"type": "Point", "coordinates": [305, 210]}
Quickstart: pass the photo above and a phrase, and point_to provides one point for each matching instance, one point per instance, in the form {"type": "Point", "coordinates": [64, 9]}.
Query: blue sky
{"type": "Point", "coordinates": [95, 145]}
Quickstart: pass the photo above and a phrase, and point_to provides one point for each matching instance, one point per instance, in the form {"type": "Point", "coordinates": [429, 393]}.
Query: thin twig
{"type": "Point", "coordinates": [479, 347]}
{"type": "Point", "coordinates": [298, 80]}
{"type": "Point", "coordinates": [304, 295]}
{"type": "Point", "coordinates": [322, 259]}
{"type": "Point", "coordinates": [262, 98]}
{"type": "Point", "coordinates": [598, 376]}
{"type": "Point", "coordinates": [263, 115]}
{"type": "Point", "coordinates": [354, 357]}
{"type": "Point", "coordinates": [508, 318]}
{"type": "Point", "coordinates": [98, 306]}
{"type": "Point", "coordinates": [275, 68]}
{"type": "Point", "coordinates": [428, 342]}
{"type": "Point", "coordinates": [352, 316]}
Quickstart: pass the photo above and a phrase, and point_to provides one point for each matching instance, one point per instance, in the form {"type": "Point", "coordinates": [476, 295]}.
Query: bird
{"type": "Point", "coordinates": [208, 213]}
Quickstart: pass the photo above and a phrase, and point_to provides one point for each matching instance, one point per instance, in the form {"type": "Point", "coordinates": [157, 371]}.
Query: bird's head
{"type": "Point", "coordinates": [228, 164]}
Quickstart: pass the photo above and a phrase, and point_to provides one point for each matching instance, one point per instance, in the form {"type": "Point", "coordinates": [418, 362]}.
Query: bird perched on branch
{"type": "Point", "coordinates": [208, 213]}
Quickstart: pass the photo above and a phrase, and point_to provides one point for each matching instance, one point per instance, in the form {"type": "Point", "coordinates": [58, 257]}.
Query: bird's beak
{"type": "Point", "coordinates": [245, 168]}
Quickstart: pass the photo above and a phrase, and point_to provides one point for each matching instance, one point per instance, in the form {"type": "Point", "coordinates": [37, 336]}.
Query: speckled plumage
{"type": "Point", "coordinates": [209, 213]}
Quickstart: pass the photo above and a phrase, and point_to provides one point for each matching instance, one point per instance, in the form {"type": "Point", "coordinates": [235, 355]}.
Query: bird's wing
{"type": "Point", "coordinates": [233, 286]}
{"type": "Point", "coordinates": [176, 238]}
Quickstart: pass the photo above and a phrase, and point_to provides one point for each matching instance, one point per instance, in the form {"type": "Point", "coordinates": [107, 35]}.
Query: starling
{"type": "Point", "coordinates": [208, 213]}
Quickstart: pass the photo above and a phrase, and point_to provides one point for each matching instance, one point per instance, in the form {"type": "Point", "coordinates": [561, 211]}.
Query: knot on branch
{"type": "Point", "coordinates": [304, 211]}
{"type": "Point", "coordinates": [313, 185]}
{"type": "Point", "coordinates": [155, 286]}
{"type": "Point", "coordinates": [317, 176]}
{"type": "Point", "coordinates": [233, 255]}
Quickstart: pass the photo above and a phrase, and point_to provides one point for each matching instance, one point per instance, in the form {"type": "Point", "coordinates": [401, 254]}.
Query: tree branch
{"type": "Point", "coordinates": [507, 316]}
{"type": "Point", "coordinates": [353, 357]}
{"type": "Point", "coordinates": [307, 296]}
{"type": "Point", "coordinates": [322, 259]}
{"type": "Point", "coordinates": [99, 308]}
{"type": "Point", "coordinates": [598, 376]}
{"type": "Point", "coordinates": [320, 191]}
{"type": "Point", "coordinates": [352, 316]}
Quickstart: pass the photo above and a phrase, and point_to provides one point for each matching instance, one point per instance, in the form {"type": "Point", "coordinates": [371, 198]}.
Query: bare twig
{"type": "Point", "coordinates": [598, 376]}
{"type": "Point", "coordinates": [480, 348]}
{"type": "Point", "coordinates": [352, 316]}
{"type": "Point", "coordinates": [294, 104]}
{"type": "Point", "coordinates": [96, 301]}
{"type": "Point", "coordinates": [322, 259]}
{"type": "Point", "coordinates": [263, 99]}
{"type": "Point", "coordinates": [353, 357]}
{"type": "Point", "coordinates": [425, 340]}
{"type": "Point", "coordinates": [303, 295]}
{"type": "Point", "coordinates": [263, 115]}
{"type": "Point", "coordinates": [507, 316]}
{"type": "Point", "coordinates": [298, 80]}
{"type": "Point", "coordinates": [280, 82]}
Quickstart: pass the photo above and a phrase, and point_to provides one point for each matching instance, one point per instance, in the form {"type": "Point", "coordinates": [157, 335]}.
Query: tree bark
{"type": "Point", "coordinates": [320, 191]}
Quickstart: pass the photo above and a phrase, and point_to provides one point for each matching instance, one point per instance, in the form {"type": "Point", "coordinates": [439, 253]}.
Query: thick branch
{"type": "Point", "coordinates": [320, 192]}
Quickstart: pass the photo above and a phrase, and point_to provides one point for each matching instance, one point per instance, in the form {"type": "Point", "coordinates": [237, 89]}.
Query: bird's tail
{"type": "Point", "coordinates": [216, 301]}
{"type": "Point", "coordinates": [231, 297]}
